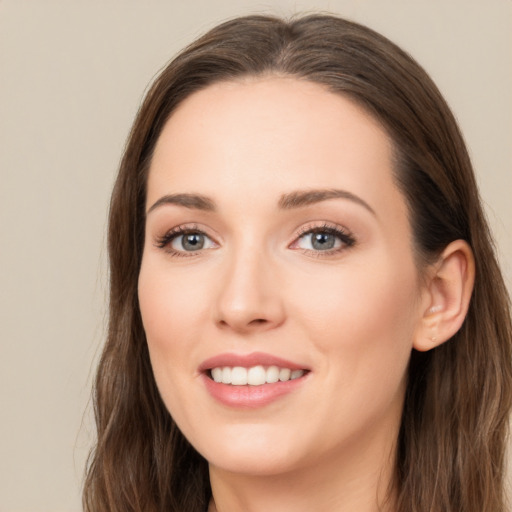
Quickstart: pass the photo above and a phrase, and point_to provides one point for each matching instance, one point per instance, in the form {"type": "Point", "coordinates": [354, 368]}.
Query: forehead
{"type": "Point", "coordinates": [267, 135]}
{"type": "Point", "coordinates": [270, 109]}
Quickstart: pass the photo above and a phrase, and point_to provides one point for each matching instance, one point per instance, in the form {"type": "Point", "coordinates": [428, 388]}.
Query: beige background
{"type": "Point", "coordinates": [72, 75]}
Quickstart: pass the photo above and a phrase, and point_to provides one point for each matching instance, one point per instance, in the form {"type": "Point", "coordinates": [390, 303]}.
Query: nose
{"type": "Point", "coordinates": [250, 298]}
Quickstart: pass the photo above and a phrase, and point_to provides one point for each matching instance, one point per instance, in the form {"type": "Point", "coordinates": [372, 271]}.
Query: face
{"type": "Point", "coordinates": [278, 288]}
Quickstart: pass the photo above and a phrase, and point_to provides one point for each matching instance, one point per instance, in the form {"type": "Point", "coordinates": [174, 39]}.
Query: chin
{"type": "Point", "coordinates": [250, 451]}
{"type": "Point", "coordinates": [252, 463]}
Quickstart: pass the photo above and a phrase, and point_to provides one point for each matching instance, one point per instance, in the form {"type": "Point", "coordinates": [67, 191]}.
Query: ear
{"type": "Point", "coordinates": [446, 296]}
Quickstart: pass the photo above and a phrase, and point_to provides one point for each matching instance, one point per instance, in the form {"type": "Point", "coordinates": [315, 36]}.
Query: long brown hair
{"type": "Point", "coordinates": [451, 446]}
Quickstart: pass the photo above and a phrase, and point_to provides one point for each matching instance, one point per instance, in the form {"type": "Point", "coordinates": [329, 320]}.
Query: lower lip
{"type": "Point", "coordinates": [250, 397]}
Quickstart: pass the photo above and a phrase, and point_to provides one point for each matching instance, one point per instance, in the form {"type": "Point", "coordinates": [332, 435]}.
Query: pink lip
{"type": "Point", "coordinates": [249, 397]}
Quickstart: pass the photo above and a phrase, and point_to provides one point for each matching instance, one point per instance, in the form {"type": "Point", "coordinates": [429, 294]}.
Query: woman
{"type": "Point", "coordinates": [306, 311]}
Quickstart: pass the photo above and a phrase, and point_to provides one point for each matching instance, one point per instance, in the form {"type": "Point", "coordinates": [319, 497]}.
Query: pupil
{"type": "Point", "coordinates": [323, 241]}
{"type": "Point", "coordinates": [193, 242]}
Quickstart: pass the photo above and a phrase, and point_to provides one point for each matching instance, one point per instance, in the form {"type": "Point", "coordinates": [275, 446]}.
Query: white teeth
{"type": "Point", "coordinates": [217, 374]}
{"type": "Point", "coordinates": [296, 374]}
{"type": "Point", "coordinates": [239, 376]}
{"type": "Point", "coordinates": [226, 375]}
{"type": "Point", "coordinates": [272, 374]}
{"type": "Point", "coordinates": [254, 376]}
{"type": "Point", "coordinates": [284, 374]}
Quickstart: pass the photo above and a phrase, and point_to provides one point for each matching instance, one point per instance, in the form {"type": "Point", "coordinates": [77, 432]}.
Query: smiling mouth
{"type": "Point", "coordinates": [253, 376]}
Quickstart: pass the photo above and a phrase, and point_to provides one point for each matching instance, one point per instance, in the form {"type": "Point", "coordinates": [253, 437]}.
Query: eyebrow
{"type": "Point", "coordinates": [301, 198]}
{"type": "Point", "coordinates": [192, 201]}
{"type": "Point", "coordinates": [292, 200]}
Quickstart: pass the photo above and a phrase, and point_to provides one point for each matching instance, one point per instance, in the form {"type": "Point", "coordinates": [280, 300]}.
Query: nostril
{"type": "Point", "coordinates": [258, 321]}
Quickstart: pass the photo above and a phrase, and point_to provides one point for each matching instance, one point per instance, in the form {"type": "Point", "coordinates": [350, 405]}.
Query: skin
{"type": "Point", "coordinates": [351, 316]}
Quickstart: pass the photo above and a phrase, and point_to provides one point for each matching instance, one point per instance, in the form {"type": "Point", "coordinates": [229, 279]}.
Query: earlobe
{"type": "Point", "coordinates": [447, 296]}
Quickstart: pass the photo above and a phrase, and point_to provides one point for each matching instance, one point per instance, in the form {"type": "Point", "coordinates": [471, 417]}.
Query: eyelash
{"type": "Point", "coordinates": [346, 238]}
{"type": "Point", "coordinates": [164, 241]}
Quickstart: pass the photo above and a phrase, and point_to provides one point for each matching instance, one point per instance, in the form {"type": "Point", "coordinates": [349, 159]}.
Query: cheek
{"type": "Point", "coordinates": [170, 304]}
{"type": "Point", "coordinates": [170, 314]}
{"type": "Point", "coordinates": [170, 310]}
{"type": "Point", "coordinates": [360, 297]}
{"type": "Point", "coordinates": [158, 305]}
{"type": "Point", "coordinates": [363, 324]}
{"type": "Point", "coordinates": [362, 319]}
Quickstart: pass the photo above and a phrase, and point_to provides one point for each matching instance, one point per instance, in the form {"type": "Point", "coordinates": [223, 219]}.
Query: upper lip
{"type": "Point", "coordinates": [247, 361]}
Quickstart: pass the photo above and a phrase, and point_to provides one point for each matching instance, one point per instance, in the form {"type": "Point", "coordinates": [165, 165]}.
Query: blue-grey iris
{"type": "Point", "coordinates": [322, 241]}
{"type": "Point", "coordinates": [192, 242]}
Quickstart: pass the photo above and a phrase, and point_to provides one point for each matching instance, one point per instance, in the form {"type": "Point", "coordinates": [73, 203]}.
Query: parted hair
{"type": "Point", "coordinates": [450, 454]}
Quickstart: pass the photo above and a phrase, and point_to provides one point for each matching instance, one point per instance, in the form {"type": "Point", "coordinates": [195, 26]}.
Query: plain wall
{"type": "Point", "coordinates": [72, 74]}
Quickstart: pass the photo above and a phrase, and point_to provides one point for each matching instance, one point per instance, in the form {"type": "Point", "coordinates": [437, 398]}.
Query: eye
{"type": "Point", "coordinates": [323, 239]}
{"type": "Point", "coordinates": [181, 240]}
{"type": "Point", "coordinates": [191, 242]}
{"type": "Point", "coordinates": [319, 241]}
